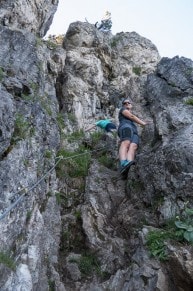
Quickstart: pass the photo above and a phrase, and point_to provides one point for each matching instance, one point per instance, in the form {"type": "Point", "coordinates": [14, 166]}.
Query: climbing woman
{"type": "Point", "coordinates": [128, 134]}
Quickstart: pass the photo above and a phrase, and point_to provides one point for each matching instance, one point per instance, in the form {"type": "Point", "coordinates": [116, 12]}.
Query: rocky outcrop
{"type": "Point", "coordinates": [68, 220]}
{"type": "Point", "coordinates": [29, 141]}
{"type": "Point", "coordinates": [32, 16]}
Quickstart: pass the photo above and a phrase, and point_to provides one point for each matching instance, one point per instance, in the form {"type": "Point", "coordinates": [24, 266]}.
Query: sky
{"type": "Point", "coordinates": [167, 23]}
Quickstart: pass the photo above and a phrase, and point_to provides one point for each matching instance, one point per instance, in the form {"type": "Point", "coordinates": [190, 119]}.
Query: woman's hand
{"type": "Point", "coordinates": [148, 122]}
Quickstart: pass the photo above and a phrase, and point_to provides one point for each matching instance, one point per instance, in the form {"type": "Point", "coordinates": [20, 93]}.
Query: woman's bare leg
{"type": "Point", "coordinates": [123, 150]}
{"type": "Point", "coordinates": [132, 151]}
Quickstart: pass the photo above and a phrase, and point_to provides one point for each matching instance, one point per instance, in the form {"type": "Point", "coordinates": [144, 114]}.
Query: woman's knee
{"type": "Point", "coordinates": [125, 143]}
{"type": "Point", "coordinates": [134, 146]}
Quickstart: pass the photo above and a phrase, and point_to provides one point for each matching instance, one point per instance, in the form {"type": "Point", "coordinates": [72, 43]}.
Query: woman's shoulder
{"type": "Point", "coordinates": [122, 109]}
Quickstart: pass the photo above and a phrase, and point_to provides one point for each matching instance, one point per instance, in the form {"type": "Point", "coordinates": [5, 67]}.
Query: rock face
{"type": "Point", "coordinates": [32, 16]}
{"type": "Point", "coordinates": [68, 222]}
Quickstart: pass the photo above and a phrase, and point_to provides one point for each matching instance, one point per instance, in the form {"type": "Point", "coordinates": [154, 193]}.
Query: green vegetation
{"type": "Point", "coordinates": [6, 260]}
{"type": "Point", "coordinates": [135, 185]}
{"type": "Point", "coordinates": [157, 202]}
{"type": "Point", "coordinates": [45, 103]}
{"type": "Point", "coordinates": [185, 224]}
{"type": "Point", "coordinates": [27, 97]}
{"type": "Point", "coordinates": [49, 194]}
{"type": "Point", "coordinates": [189, 71]}
{"type": "Point", "coordinates": [40, 65]}
{"type": "Point", "coordinates": [28, 216]}
{"type": "Point", "coordinates": [156, 244]}
{"type": "Point", "coordinates": [34, 87]}
{"type": "Point", "coordinates": [60, 121]}
{"type": "Point", "coordinates": [39, 41]}
{"type": "Point", "coordinates": [96, 137]}
{"type": "Point", "coordinates": [51, 285]}
{"type": "Point", "coordinates": [1, 74]}
{"type": "Point", "coordinates": [26, 162]}
{"type": "Point", "coordinates": [178, 229]}
{"type": "Point", "coordinates": [72, 118]}
{"type": "Point", "coordinates": [44, 100]}
{"type": "Point", "coordinates": [77, 214]}
{"type": "Point", "coordinates": [54, 41]}
{"type": "Point", "coordinates": [88, 265]}
{"type": "Point", "coordinates": [75, 164]}
{"type": "Point", "coordinates": [115, 41]}
{"type": "Point", "coordinates": [72, 238]}
{"type": "Point", "coordinates": [189, 101]}
{"type": "Point", "coordinates": [48, 154]}
{"type": "Point", "coordinates": [75, 136]}
{"type": "Point", "coordinates": [107, 161]}
{"type": "Point", "coordinates": [58, 197]}
{"type": "Point", "coordinates": [50, 44]}
{"type": "Point", "coordinates": [21, 128]}
{"type": "Point", "coordinates": [172, 84]}
{"type": "Point", "coordinates": [137, 71]}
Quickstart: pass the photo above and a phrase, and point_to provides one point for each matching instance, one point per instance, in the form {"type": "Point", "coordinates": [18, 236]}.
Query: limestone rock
{"type": "Point", "coordinates": [49, 93]}
{"type": "Point", "coordinates": [33, 16]}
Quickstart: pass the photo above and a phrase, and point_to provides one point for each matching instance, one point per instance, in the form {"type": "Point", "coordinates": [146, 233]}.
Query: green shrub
{"type": "Point", "coordinates": [179, 229]}
{"type": "Point", "coordinates": [74, 164]}
{"type": "Point", "coordinates": [60, 121]}
{"type": "Point", "coordinates": [39, 42]}
{"type": "Point", "coordinates": [58, 197]}
{"type": "Point", "coordinates": [48, 154]}
{"type": "Point", "coordinates": [27, 97]}
{"type": "Point", "coordinates": [75, 136]}
{"type": "Point", "coordinates": [115, 41]}
{"type": "Point", "coordinates": [1, 74]}
{"type": "Point", "coordinates": [137, 71]}
{"type": "Point", "coordinates": [107, 161]}
{"type": "Point", "coordinates": [77, 214]}
{"type": "Point", "coordinates": [88, 264]}
{"type": "Point", "coordinates": [72, 118]}
{"type": "Point", "coordinates": [28, 216]}
{"type": "Point", "coordinates": [6, 260]}
{"type": "Point", "coordinates": [189, 102]}
{"type": "Point", "coordinates": [155, 244]}
{"type": "Point", "coordinates": [21, 128]}
{"type": "Point", "coordinates": [185, 224]}
{"type": "Point", "coordinates": [51, 44]}
{"type": "Point", "coordinates": [189, 71]}
{"type": "Point", "coordinates": [45, 104]}
{"type": "Point", "coordinates": [51, 285]}
{"type": "Point", "coordinates": [96, 137]}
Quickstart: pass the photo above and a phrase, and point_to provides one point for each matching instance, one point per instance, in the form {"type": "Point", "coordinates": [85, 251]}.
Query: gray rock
{"type": "Point", "coordinates": [32, 16]}
{"type": "Point", "coordinates": [50, 93]}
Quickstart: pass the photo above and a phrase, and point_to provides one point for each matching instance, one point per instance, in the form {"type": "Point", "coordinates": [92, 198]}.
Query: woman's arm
{"type": "Point", "coordinates": [91, 127]}
{"type": "Point", "coordinates": [133, 117]}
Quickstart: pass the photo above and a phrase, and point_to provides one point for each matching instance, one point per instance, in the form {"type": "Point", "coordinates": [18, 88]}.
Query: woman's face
{"type": "Point", "coordinates": [127, 104]}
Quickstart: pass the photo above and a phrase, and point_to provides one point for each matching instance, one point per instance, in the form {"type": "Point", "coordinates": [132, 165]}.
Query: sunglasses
{"type": "Point", "coordinates": [126, 103]}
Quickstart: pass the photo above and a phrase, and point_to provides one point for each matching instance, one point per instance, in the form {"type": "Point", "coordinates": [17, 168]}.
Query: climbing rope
{"type": "Point", "coordinates": [26, 190]}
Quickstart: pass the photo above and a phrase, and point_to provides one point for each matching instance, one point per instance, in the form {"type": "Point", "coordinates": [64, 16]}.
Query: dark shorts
{"type": "Point", "coordinates": [110, 126]}
{"type": "Point", "coordinates": [127, 133]}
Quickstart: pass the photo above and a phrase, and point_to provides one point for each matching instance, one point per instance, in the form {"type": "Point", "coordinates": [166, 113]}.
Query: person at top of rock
{"type": "Point", "coordinates": [128, 134]}
{"type": "Point", "coordinates": [106, 23]}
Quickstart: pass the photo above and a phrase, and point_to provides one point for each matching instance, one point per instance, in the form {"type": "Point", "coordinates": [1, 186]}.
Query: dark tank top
{"type": "Point", "coordinates": [123, 120]}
